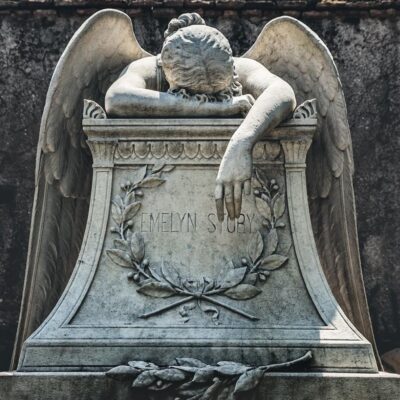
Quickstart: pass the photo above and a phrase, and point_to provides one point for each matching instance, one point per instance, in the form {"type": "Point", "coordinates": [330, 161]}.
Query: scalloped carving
{"type": "Point", "coordinates": [307, 109]}
{"type": "Point", "coordinates": [92, 110]}
{"type": "Point", "coordinates": [190, 150]}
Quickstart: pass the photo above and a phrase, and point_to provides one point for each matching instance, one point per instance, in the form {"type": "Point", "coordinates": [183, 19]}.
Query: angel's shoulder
{"type": "Point", "coordinates": [144, 66]}
{"type": "Point", "coordinates": [247, 65]}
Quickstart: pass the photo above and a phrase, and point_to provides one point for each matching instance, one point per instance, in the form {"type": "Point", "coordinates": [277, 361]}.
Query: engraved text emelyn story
{"type": "Point", "coordinates": [185, 222]}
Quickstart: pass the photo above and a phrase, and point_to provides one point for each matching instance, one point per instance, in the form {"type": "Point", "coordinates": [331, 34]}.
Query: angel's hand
{"type": "Point", "coordinates": [242, 104]}
{"type": "Point", "coordinates": [238, 105]}
{"type": "Point", "coordinates": [233, 178]}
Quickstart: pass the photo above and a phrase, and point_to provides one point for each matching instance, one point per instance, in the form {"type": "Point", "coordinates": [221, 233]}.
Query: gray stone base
{"type": "Point", "coordinates": [275, 386]}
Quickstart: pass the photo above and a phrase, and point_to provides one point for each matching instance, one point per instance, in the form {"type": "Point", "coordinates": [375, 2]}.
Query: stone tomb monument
{"type": "Point", "coordinates": [198, 275]}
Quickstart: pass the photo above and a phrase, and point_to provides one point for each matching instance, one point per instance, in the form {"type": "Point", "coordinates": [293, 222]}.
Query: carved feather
{"type": "Point", "coordinates": [291, 50]}
{"type": "Point", "coordinates": [96, 54]}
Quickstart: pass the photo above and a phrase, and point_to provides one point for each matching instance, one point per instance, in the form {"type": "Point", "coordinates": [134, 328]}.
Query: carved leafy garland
{"type": "Point", "coordinates": [234, 282]}
{"type": "Point", "coordinates": [191, 379]}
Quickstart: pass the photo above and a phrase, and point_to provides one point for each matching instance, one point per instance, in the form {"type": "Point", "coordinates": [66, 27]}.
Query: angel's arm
{"type": "Point", "coordinates": [133, 95]}
{"type": "Point", "coordinates": [275, 100]}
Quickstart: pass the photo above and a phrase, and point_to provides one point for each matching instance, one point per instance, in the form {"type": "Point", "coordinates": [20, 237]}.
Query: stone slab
{"type": "Point", "coordinates": [276, 386]}
{"type": "Point", "coordinates": [294, 311]}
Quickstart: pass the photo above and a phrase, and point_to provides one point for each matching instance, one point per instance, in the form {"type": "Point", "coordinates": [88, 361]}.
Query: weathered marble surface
{"type": "Point", "coordinates": [276, 386]}
{"type": "Point", "coordinates": [372, 128]}
{"type": "Point", "coordinates": [106, 315]}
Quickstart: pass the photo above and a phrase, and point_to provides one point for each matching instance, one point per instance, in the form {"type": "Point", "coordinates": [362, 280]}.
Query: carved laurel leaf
{"type": "Point", "coordinates": [131, 210]}
{"type": "Point", "coordinates": [117, 200]}
{"type": "Point", "coordinates": [231, 368]}
{"type": "Point", "coordinates": [170, 274]}
{"type": "Point", "coordinates": [116, 214]}
{"type": "Point", "coordinates": [190, 362]}
{"type": "Point", "coordinates": [204, 374]}
{"type": "Point", "coordinates": [250, 279]}
{"type": "Point", "coordinates": [122, 245]}
{"type": "Point", "coordinates": [137, 246]}
{"type": "Point", "coordinates": [190, 392]}
{"type": "Point", "coordinates": [123, 372]}
{"type": "Point", "coordinates": [261, 177]}
{"type": "Point", "coordinates": [157, 289]}
{"type": "Point", "coordinates": [249, 380]}
{"type": "Point", "coordinates": [273, 262]}
{"type": "Point", "coordinates": [155, 271]}
{"type": "Point", "coordinates": [170, 375]}
{"type": "Point", "coordinates": [272, 241]}
{"type": "Point", "coordinates": [279, 206]}
{"type": "Point", "coordinates": [146, 378]}
{"type": "Point", "coordinates": [242, 292]}
{"type": "Point", "coordinates": [142, 365]}
{"type": "Point", "coordinates": [151, 182]}
{"type": "Point", "coordinates": [130, 198]}
{"type": "Point", "coordinates": [263, 208]}
{"type": "Point", "coordinates": [213, 391]}
{"type": "Point", "coordinates": [255, 247]}
{"type": "Point", "coordinates": [233, 277]}
{"type": "Point", "coordinates": [157, 167]}
{"type": "Point", "coordinates": [139, 175]}
{"type": "Point", "coordinates": [168, 168]}
{"type": "Point", "coordinates": [255, 182]}
{"type": "Point", "coordinates": [119, 257]}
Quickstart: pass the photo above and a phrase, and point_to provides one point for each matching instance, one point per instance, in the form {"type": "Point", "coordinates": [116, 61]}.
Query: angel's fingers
{"type": "Point", "coordinates": [237, 196]}
{"type": "Point", "coordinates": [252, 100]}
{"type": "Point", "coordinates": [247, 187]}
{"type": "Point", "coordinates": [229, 201]}
{"type": "Point", "coordinates": [219, 201]}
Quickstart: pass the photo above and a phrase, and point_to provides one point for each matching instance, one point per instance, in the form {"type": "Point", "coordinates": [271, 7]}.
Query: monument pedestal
{"type": "Point", "coordinates": [159, 278]}
{"type": "Point", "coordinates": [275, 386]}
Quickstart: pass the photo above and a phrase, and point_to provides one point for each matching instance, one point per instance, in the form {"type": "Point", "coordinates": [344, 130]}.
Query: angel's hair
{"type": "Point", "coordinates": [197, 60]}
{"type": "Point", "coordinates": [182, 21]}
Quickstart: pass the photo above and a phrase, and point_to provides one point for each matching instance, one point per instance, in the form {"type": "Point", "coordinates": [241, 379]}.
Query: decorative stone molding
{"type": "Point", "coordinates": [296, 152]}
{"type": "Point", "coordinates": [92, 110]}
{"type": "Point", "coordinates": [188, 150]}
{"type": "Point", "coordinates": [102, 152]}
{"type": "Point", "coordinates": [307, 109]}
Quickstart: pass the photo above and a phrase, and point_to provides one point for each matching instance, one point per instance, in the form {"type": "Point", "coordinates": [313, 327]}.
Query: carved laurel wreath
{"type": "Point", "coordinates": [238, 282]}
{"type": "Point", "coordinates": [191, 379]}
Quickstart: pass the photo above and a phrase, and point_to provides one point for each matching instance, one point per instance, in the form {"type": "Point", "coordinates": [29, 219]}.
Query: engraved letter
{"type": "Point", "coordinates": [181, 221]}
{"type": "Point", "coordinates": [193, 222]}
{"type": "Point", "coordinates": [154, 223]}
{"type": "Point", "coordinates": [142, 222]}
{"type": "Point", "coordinates": [164, 222]}
{"type": "Point", "coordinates": [213, 227]}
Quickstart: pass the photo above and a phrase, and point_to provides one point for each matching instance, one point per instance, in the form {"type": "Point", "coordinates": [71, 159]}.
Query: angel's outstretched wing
{"type": "Point", "coordinates": [292, 51]}
{"type": "Point", "coordinates": [94, 57]}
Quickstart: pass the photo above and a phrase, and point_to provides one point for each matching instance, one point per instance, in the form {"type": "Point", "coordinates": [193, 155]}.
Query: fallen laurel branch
{"type": "Point", "coordinates": [191, 379]}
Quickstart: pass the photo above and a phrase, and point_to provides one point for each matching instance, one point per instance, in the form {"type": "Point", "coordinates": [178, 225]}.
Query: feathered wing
{"type": "Point", "coordinates": [93, 59]}
{"type": "Point", "coordinates": [293, 52]}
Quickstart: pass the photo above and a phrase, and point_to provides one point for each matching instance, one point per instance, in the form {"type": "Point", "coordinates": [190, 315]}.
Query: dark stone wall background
{"type": "Point", "coordinates": [364, 39]}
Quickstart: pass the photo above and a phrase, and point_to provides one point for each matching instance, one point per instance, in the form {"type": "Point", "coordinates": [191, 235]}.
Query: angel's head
{"type": "Point", "coordinates": [197, 59]}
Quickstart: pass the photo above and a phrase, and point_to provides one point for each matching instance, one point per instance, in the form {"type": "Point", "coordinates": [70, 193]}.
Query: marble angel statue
{"type": "Point", "coordinates": [195, 75]}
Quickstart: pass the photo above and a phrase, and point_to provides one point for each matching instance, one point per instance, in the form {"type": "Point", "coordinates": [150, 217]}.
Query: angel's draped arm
{"type": "Point", "coordinates": [275, 100]}
{"type": "Point", "coordinates": [133, 94]}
